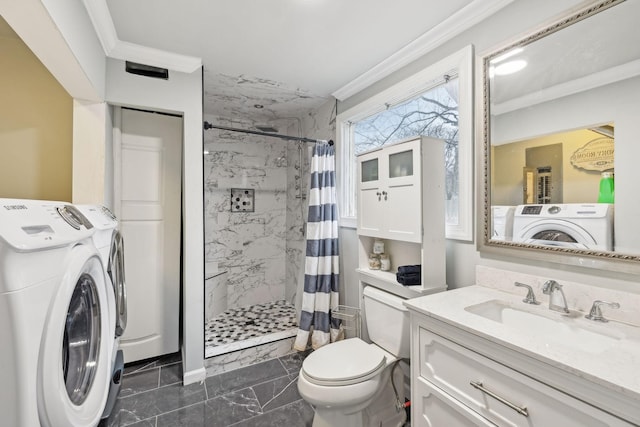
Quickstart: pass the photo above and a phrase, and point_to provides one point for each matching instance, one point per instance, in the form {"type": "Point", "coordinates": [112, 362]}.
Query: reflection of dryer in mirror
{"type": "Point", "coordinates": [578, 226]}
{"type": "Point", "coordinates": [502, 222]}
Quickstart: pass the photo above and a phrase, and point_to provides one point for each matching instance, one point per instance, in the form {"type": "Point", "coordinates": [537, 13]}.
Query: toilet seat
{"type": "Point", "coordinates": [344, 362]}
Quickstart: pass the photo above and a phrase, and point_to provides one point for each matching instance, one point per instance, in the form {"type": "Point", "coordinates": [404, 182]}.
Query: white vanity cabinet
{"type": "Point", "coordinates": [389, 192]}
{"type": "Point", "coordinates": [455, 385]}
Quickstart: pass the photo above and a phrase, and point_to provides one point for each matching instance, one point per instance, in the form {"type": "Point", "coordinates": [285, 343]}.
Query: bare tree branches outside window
{"type": "Point", "coordinates": [434, 114]}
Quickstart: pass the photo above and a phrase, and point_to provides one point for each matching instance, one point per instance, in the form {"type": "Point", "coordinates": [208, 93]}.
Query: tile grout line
{"type": "Point", "coordinates": [264, 413]}
{"type": "Point", "coordinates": [279, 394]}
{"type": "Point", "coordinates": [177, 409]}
{"type": "Point", "coordinates": [151, 389]}
{"type": "Point", "coordinates": [139, 421]}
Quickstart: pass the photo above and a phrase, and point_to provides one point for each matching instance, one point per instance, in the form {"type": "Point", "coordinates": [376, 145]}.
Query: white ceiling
{"type": "Point", "coordinates": [287, 55]}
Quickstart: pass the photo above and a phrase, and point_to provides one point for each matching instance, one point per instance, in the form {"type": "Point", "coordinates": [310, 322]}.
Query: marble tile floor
{"type": "Point", "coordinates": [263, 394]}
{"type": "Point", "coordinates": [239, 328]}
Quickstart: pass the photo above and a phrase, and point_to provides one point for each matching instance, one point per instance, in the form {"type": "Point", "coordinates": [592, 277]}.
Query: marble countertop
{"type": "Point", "coordinates": [615, 368]}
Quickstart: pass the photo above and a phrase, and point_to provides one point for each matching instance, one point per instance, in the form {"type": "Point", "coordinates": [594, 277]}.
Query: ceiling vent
{"type": "Point", "coordinates": [146, 70]}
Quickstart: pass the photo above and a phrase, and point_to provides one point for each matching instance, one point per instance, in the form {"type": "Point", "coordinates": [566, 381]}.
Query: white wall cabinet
{"type": "Point", "coordinates": [454, 385]}
{"type": "Point", "coordinates": [401, 200]}
{"type": "Point", "coordinates": [389, 192]}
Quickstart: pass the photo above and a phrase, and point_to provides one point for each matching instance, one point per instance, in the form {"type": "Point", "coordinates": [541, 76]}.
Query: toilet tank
{"type": "Point", "coordinates": [387, 321]}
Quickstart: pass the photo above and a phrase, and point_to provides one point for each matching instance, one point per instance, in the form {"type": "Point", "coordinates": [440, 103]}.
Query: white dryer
{"type": "Point", "coordinates": [572, 225]}
{"type": "Point", "coordinates": [54, 322]}
{"type": "Point", "coordinates": [502, 222]}
{"type": "Point", "coordinates": [110, 245]}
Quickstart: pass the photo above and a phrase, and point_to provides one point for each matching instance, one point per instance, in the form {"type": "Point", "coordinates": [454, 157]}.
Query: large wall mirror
{"type": "Point", "coordinates": [561, 140]}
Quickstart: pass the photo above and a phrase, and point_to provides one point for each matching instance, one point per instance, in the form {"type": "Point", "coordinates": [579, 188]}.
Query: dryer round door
{"type": "Point", "coordinates": [74, 364]}
{"type": "Point", "coordinates": [115, 268]}
{"type": "Point", "coordinates": [560, 233]}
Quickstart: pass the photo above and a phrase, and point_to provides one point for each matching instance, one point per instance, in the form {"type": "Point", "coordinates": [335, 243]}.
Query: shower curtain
{"type": "Point", "coordinates": [321, 269]}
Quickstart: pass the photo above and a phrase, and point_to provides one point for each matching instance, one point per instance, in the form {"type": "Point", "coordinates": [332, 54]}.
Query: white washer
{"type": "Point", "coordinates": [54, 322]}
{"type": "Point", "coordinates": [110, 245]}
{"type": "Point", "coordinates": [572, 225]}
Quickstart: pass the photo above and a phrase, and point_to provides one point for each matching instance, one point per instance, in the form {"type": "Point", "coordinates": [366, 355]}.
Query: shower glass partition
{"type": "Point", "coordinates": [254, 239]}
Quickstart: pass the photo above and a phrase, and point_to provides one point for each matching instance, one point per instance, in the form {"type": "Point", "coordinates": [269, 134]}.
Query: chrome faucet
{"type": "Point", "coordinates": [596, 312]}
{"type": "Point", "coordinates": [554, 290]}
{"type": "Point", "coordinates": [531, 297]}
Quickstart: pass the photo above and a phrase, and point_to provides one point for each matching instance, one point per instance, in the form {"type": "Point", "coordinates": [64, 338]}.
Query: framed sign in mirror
{"type": "Point", "coordinates": [560, 141]}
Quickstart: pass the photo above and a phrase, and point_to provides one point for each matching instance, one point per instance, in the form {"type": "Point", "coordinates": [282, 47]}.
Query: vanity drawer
{"type": "Point", "coordinates": [435, 408]}
{"type": "Point", "coordinates": [500, 394]}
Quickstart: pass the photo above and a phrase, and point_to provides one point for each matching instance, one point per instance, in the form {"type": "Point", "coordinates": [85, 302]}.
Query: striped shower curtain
{"type": "Point", "coordinates": [321, 269]}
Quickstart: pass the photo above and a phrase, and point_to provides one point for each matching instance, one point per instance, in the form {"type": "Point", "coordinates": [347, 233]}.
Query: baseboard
{"type": "Point", "coordinates": [195, 376]}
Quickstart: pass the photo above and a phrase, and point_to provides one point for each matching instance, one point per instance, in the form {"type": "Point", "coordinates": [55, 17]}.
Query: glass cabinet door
{"type": "Point", "coordinates": [401, 164]}
{"type": "Point", "coordinates": [369, 170]}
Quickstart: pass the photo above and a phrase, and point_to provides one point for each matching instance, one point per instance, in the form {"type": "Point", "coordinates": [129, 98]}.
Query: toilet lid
{"type": "Point", "coordinates": [345, 362]}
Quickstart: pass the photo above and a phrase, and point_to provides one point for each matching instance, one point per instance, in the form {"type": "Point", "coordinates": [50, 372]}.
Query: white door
{"type": "Point", "coordinates": [148, 181]}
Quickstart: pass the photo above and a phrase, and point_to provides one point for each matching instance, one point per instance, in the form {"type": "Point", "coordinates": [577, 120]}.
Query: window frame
{"type": "Point", "coordinates": [459, 64]}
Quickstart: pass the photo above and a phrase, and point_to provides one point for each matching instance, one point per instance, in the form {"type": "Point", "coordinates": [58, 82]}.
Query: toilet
{"type": "Point", "coordinates": [349, 382]}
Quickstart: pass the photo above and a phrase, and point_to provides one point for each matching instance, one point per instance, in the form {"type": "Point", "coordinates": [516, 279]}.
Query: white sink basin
{"type": "Point", "coordinates": [571, 330]}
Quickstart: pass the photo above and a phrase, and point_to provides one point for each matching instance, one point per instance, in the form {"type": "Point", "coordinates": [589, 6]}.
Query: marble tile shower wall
{"type": "Point", "coordinates": [255, 248]}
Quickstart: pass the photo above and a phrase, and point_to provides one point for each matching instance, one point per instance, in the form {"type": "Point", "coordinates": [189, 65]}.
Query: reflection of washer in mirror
{"type": "Point", "coordinates": [579, 226]}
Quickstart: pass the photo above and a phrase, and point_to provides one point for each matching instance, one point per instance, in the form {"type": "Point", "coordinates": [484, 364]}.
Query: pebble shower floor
{"type": "Point", "coordinates": [252, 325]}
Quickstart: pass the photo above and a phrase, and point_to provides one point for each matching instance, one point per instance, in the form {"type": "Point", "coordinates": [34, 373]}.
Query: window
{"type": "Point", "coordinates": [436, 102]}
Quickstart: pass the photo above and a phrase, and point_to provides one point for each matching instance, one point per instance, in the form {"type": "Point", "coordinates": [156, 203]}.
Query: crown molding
{"type": "Point", "coordinates": [115, 48]}
{"type": "Point", "coordinates": [102, 23]}
{"type": "Point", "coordinates": [460, 21]}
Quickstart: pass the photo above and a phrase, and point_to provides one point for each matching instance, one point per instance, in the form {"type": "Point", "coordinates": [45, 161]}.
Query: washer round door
{"type": "Point", "coordinates": [556, 233]}
{"type": "Point", "coordinates": [74, 364]}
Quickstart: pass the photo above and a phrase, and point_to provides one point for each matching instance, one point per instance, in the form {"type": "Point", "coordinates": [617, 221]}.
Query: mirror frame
{"type": "Point", "coordinates": [578, 257]}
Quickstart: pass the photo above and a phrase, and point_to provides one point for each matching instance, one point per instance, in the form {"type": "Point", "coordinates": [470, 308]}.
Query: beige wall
{"type": "Point", "coordinates": [579, 185]}
{"type": "Point", "coordinates": [35, 127]}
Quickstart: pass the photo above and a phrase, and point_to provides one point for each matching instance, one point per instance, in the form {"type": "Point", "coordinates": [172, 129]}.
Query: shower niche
{"type": "Point", "coordinates": [242, 200]}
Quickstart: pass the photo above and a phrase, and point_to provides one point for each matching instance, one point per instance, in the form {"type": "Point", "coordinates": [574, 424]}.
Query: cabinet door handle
{"type": "Point", "coordinates": [378, 194]}
{"type": "Point", "coordinates": [384, 193]}
{"type": "Point", "coordinates": [522, 410]}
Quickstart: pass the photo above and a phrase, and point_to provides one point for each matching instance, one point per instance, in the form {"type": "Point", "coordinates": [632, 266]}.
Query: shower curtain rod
{"type": "Point", "coordinates": [208, 126]}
